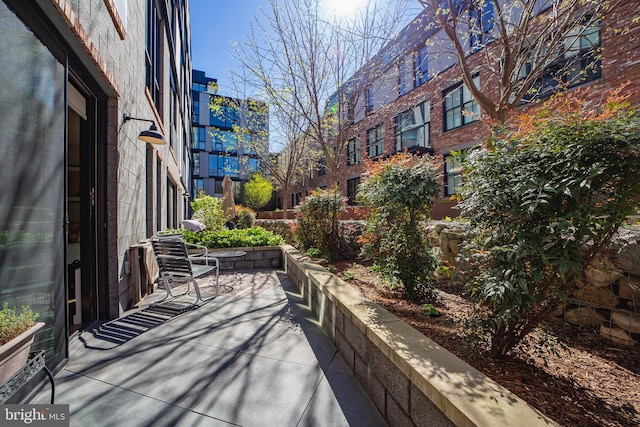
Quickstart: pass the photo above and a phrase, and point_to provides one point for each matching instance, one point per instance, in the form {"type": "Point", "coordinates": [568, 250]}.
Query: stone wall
{"type": "Point", "coordinates": [609, 296]}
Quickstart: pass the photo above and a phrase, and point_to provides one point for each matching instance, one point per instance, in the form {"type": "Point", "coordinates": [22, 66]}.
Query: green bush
{"type": "Point", "coordinates": [245, 217]}
{"type": "Point", "coordinates": [401, 191]}
{"type": "Point", "coordinates": [543, 202]}
{"type": "Point", "coordinates": [257, 191]}
{"type": "Point", "coordinates": [208, 210]}
{"type": "Point", "coordinates": [318, 223]}
{"type": "Point", "coordinates": [236, 238]}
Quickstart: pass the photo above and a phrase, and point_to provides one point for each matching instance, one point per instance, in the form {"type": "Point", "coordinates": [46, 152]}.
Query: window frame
{"type": "Point", "coordinates": [377, 145]}
{"type": "Point", "coordinates": [353, 151]}
{"type": "Point", "coordinates": [400, 131]}
{"type": "Point", "coordinates": [452, 171]}
{"type": "Point", "coordinates": [421, 67]}
{"type": "Point", "coordinates": [462, 104]}
{"type": "Point", "coordinates": [352, 190]}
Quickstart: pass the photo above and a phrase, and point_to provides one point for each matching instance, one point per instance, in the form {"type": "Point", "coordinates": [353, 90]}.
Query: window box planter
{"type": "Point", "coordinates": [15, 353]}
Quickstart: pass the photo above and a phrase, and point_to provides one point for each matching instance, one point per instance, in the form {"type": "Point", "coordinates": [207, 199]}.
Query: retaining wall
{"type": "Point", "coordinates": [410, 378]}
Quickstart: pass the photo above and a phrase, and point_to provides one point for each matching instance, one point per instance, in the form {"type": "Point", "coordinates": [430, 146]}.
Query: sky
{"type": "Point", "coordinates": [214, 25]}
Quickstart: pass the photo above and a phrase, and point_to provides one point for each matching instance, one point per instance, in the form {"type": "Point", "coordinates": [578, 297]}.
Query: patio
{"type": "Point", "coordinates": [252, 356]}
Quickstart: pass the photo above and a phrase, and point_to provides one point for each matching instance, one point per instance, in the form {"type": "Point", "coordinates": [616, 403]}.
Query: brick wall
{"type": "Point", "coordinates": [620, 41]}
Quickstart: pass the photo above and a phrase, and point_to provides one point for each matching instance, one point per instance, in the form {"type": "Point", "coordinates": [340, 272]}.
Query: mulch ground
{"type": "Point", "coordinates": [591, 382]}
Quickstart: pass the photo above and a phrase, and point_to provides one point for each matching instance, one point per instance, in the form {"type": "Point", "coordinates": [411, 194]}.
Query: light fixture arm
{"type": "Point", "coordinates": [152, 136]}
{"type": "Point", "coordinates": [126, 118]}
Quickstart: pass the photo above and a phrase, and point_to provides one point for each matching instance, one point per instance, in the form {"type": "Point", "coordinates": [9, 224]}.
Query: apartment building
{"type": "Point", "coordinates": [416, 100]}
{"type": "Point", "coordinates": [90, 89]}
{"type": "Point", "coordinates": [225, 140]}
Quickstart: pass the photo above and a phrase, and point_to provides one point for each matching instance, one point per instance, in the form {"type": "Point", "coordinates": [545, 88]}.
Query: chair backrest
{"type": "Point", "coordinates": [172, 256]}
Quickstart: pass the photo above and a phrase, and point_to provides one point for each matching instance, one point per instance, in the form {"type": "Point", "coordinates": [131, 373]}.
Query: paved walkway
{"type": "Point", "coordinates": [251, 357]}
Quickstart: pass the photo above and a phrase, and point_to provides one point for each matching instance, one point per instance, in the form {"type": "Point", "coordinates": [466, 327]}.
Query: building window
{"type": "Point", "coordinates": [353, 151]}
{"type": "Point", "coordinates": [460, 108]}
{"type": "Point", "coordinates": [196, 164]}
{"type": "Point", "coordinates": [224, 141]}
{"type": "Point", "coordinates": [578, 61]}
{"type": "Point", "coordinates": [198, 185]}
{"type": "Point", "coordinates": [217, 183]}
{"type": "Point", "coordinates": [198, 137]}
{"type": "Point", "coordinates": [403, 87]}
{"type": "Point", "coordinates": [153, 65]}
{"type": "Point", "coordinates": [196, 111]}
{"type": "Point", "coordinates": [368, 101]}
{"type": "Point", "coordinates": [224, 165]}
{"type": "Point", "coordinates": [226, 116]}
{"type": "Point", "coordinates": [375, 141]}
{"type": "Point", "coordinates": [254, 165]}
{"type": "Point", "coordinates": [453, 174]}
{"type": "Point", "coordinates": [412, 127]}
{"type": "Point", "coordinates": [481, 25]}
{"type": "Point", "coordinates": [352, 190]}
{"type": "Point", "coordinates": [322, 169]}
{"type": "Point", "coordinates": [421, 67]}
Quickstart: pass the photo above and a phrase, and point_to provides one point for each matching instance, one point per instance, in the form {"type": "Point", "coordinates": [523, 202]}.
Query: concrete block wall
{"type": "Point", "coordinates": [410, 378]}
{"type": "Point", "coordinates": [261, 257]}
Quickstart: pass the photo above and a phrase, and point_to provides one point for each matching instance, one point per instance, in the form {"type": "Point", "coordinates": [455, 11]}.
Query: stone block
{"type": "Point", "coordinates": [396, 383]}
{"type": "Point", "coordinates": [345, 350]}
{"type": "Point", "coordinates": [424, 412]}
{"type": "Point", "coordinates": [358, 340]}
{"type": "Point", "coordinates": [598, 296]}
{"type": "Point", "coordinates": [396, 415]}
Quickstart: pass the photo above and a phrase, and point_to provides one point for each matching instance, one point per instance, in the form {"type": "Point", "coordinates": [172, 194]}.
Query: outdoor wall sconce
{"type": "Point", "coordinates": [152, 136]}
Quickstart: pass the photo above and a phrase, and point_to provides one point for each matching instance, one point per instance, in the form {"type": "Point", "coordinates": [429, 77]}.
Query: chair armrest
{"type": "Point", "coordinates": [203, 255]}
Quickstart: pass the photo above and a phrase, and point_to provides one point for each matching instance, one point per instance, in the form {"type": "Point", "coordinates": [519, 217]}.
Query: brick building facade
{"type": "Point", "coordinates": [401, 86]}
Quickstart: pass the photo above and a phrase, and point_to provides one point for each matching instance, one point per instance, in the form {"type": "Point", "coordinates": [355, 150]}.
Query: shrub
{"type": "Point", "coordinates": [257, 191]}
{"type": "Point", "coordinates": [401, 191]}
{"type": "Point", "coordinates": [208, 210]}
{"type": "Point", "coordinates": [543, 202]}
{"type": "Point", "coordinates": [318, 223]}
{"type": "Point", "coordinates": [236, 238]}
{"type": "Point", "coordinates": [245, 217]}
{"type": "Point", "coordinates": [282, 227]}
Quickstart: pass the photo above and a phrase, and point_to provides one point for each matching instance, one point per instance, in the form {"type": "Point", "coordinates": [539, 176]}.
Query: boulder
{"type": "Point", "coordinates": [585, 316]}
{"type": "Point", "coordinates": [626, 321]}
{"type": "Point", "coordinates": [598, 296]}
{"type": "Point", "coordinates": [629, 287]}
{"type": "Point", "coordinates": [616, 335]}
{"type": "Point", "coordinates": [626, 250]}
{"type": "Point", "coordinates": [601, 272]}
{"type": "Point", "coordinates": [560, 309]}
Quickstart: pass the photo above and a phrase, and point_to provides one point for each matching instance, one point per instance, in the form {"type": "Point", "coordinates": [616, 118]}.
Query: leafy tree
{"type": "Point", "coordinates": [257, 191]}
{"type": "Point", "coordinates": [543, 203]}
{"type": "Point", "coordinates": [401, 192]}
{"type": "Point", "coordinates": [208, 210]}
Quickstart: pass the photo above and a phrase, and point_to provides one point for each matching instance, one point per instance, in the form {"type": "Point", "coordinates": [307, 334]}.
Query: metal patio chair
{"type": "Point", "coordinates": [176, 268]}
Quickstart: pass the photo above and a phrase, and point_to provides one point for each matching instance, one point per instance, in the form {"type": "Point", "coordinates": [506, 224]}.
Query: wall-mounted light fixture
{"type": "Point", "coordinates": [152, 136]}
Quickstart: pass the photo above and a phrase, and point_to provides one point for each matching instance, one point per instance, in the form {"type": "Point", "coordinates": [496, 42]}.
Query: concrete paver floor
{"type": "Point", "coordinates": [253, 356]}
